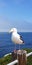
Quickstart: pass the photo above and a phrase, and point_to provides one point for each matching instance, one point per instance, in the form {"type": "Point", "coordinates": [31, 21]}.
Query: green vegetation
{"type": "Point", "coordinates": [29, 59]}
{"type": "Point", "coordinates": [8, 59]}
{"type": "Point", "coordinates": [5, 60]}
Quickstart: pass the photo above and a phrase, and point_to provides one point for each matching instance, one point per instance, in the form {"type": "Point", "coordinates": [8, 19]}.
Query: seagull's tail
{"type": "Point", "coordinates": [21, 41]}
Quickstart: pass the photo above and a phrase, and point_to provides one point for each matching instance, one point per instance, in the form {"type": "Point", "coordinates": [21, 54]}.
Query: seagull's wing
{"type": "Point", "coordinates": [21, 38]}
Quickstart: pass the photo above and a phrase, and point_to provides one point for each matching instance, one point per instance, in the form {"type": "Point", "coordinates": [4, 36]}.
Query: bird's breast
{"type": "Point", "coordinates": [16, 40]}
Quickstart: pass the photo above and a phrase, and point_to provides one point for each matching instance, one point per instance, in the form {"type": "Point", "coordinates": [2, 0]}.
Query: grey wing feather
{"type": "Point", "coordinates": [21, 38]}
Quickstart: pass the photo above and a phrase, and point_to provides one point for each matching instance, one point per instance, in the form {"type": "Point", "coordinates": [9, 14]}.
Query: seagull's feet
{"type": "Point", "coordinates": [15, 51]}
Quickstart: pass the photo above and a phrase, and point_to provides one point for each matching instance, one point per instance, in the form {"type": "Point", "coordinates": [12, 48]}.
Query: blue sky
{"type": "Point", "coordinates": [16, 13]}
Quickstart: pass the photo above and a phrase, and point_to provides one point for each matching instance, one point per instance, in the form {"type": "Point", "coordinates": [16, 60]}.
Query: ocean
{"type": "Point", "coordinates": [7, 46]}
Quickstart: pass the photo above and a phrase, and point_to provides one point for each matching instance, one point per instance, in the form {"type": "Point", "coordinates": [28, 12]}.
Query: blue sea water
{"type": "Point", "coordinates": [7, 46]}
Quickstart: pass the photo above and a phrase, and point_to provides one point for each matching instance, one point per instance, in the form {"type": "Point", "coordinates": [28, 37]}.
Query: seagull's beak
{"type": "Point", "coordinates": [10, 31]}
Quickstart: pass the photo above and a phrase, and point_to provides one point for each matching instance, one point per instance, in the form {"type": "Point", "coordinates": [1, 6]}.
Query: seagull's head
{"type": "Point", "coordinates": [13, 30]}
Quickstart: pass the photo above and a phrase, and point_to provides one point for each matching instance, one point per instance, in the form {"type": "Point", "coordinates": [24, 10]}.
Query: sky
{"type": "Point", "coordinates": [16, 13]}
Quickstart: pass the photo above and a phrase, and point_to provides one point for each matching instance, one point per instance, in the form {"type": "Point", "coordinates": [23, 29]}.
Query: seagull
{"type": "Point", "coordinates": [16, 38]}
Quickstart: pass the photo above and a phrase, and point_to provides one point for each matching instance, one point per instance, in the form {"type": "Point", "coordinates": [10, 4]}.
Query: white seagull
{"type": "Point", "coordinates": [16, 38]}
